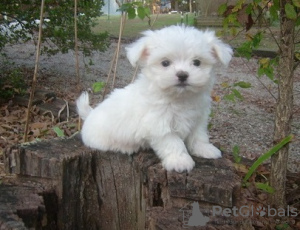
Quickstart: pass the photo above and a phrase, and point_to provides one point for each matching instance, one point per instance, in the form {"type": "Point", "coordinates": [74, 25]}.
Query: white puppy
{"type": "Point", "coordinates": [168, 106]}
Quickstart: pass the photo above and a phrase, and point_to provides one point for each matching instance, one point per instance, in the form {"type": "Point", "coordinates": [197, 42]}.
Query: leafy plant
{"type": "Point", "coordinates": [234, 93]}
{"type": "Point", "coordinates": [134, 9]}
{"type": "Point", "coordinates": [236, 154]}
{"type": "Point", "coordinates": [59, 132]}
{"type": "Point", "coordinates": [286, 13]}
{"type": "Point", "coordinates": [19, 22]}
{"type": "Point", "coordinates": [262, 159]}
{"type": "Point", "coordinates": [98, 86]}
{"type": "Point", "coordinates": [12, 83]}
{"type": "Point", "coordinates": [266, 67]}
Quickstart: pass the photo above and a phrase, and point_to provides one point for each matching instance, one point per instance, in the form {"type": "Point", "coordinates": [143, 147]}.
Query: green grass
{"type": "Point", "coordinates": [134, 27]}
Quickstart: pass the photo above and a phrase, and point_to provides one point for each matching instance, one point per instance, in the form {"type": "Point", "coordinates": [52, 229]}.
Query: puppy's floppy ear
{"type": "Point", "coordinates": [137, 51]}
{"type": "Point", "coordinates": [222, 51]}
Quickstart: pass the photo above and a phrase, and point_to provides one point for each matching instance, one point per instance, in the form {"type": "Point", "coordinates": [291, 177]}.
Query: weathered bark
{"type": "Point", "coordinates": [21, 206]}
{"type": "Point", "coordinates": [284, 107]}
{"type": "Point", "coordinates": [88, 189]}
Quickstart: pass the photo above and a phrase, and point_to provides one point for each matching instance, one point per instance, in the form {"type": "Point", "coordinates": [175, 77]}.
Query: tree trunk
{"type": "Point", "coordinates": [284, 107]}
{"type": "Point", "coordinates": [60, 184]}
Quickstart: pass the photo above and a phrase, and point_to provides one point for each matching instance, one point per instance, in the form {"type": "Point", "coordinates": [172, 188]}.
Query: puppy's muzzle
{"type": "Point", "coordinates": [182, 76]}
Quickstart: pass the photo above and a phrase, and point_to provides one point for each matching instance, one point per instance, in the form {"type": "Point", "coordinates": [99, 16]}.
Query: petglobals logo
{"type": "Point", "coordinates": [193, 215]}
{"type": "Point", "coordinates": [248, 211]}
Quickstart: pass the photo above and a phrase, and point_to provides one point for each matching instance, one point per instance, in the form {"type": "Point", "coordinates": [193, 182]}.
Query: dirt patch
{"type": "Point", "coordinates": [247, 123]}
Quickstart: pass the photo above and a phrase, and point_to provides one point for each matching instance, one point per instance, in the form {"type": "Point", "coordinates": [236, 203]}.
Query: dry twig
{"type": "Point", "coordinates": [38, 51]}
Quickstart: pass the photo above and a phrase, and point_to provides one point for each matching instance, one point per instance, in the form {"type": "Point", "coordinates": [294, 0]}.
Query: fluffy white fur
{"type": "Point", "coordinates": [168, 106]}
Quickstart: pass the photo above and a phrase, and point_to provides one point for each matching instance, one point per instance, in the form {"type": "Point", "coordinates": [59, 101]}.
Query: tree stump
{"type": "Point", "coordinates": [60, 184]}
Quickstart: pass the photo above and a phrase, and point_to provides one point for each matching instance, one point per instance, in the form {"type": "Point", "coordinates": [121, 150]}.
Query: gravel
{"type": "Point", "coordinates": [247, 123]}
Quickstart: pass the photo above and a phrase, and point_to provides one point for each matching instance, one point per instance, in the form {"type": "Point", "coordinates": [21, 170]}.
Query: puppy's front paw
{"type": "Point", "coordinates": [207, 150]}
{"type": "Point", "coordinates": [178, 162]}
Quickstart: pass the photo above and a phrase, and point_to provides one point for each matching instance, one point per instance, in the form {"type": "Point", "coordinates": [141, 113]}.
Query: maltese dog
{"type": "Point", "coordinates": [167, 108]}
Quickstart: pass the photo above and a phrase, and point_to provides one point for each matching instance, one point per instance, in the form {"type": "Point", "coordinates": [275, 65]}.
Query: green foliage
{"type": "Point", "coordinates": [12, 83]}
{"type": "Point", "coordinates": [296, 3]}
{"type": "Point", "coordinates": [59, 132]}
{"type": "Point", "coordinates": [98, 86]}
{"type": "Point", "coordinates": [266, 156]}
{"type": "Point", "coordinates": [246, 49]}
{"type": "Point", "coordinates": [283, 226]}
{"type": "Point", "coordinates": [265, 187]}
{"type": "Point", "coordinates": [262, 186]}
{"type": "Point", "coordinates": [266, 67]}
{"type": "Point", "coordinates": [242, 84]}
{"type": "Point", "coordinates": [235, 93]}
{"type": "Point", "coordinates": [58, 29]}
{"type": "Point", "coordinates": [290, 11]}
{"type": "Point", "coordinates": [133, 7]}
{"type": "Point", "coordinates": [236, 154]}
{"type": "Point", "coordinates": [222, 8]}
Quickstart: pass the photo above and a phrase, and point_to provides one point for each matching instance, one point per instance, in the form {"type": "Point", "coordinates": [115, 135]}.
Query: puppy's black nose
{"type": "Point", "coordinates": [182, 76]}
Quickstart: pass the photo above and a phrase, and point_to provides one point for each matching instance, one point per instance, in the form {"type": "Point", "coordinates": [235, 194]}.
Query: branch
{"type": "Point", "coordinates": [118, 3]}
{"type": "Point", "coordinates": [265, 21]}
{"type": "Point", "coordinates": [38, 50]}
{"type": "Point", "coordinates": [269, 91]}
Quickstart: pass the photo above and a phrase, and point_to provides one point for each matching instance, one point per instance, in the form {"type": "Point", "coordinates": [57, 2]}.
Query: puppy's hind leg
{"type": "Point", "coordinates": [173, 153]}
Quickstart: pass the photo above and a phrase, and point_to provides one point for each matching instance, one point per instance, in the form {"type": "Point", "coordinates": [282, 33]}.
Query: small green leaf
{"type": "Point", "coordinates": [233, 31]}
{"type": "Point", "coordinates": [236, 154]}
{"type": "Point", "coordinates": [269, 72]}
{"type": "Point", "coordinates": [260, 71]}
{"type": "Point", "coordinates": [243, 84]}
{"type": "Point", "coordinates": [141, 12]}
{"type": "Point", "coordinates": [257, 39]}
{"type": "Point", "coordinates": [225, 23]}
{"type": "Point", "coordinates": [284, 226]}
{"type": "Point", "coordinates": [265, 187]}
{"type": "Point", "coordinates": [274, 12]}
{"type": "Point", "coordinates": [125, 7]}
{"type": "Point", "coordinates": [230, 97]}
{"type": "Point", "coordinates": [147, 11]}
{"type": "Point", "coordinates": [245, 50]}
{"type": "Point", "coordinates": [59, 132]}
{"type": "Point", "coordinates": [249, 9]}
{"type": "Point", "coordinates": [97, 86]}
{"type": "Point", "coordinates": [296, 3]}
{"type": "Point", "coordinates": [290, 11]}
{"type": "Point", "coordinates": [222, 9]}
{"type": "Point", "coordinates": [131, 13]}
{"type": "Point", "coordinates": [237, 94]}
{"type": "Point", "coordinates": [232, 18]}
{"type": "Point", "coordinates": [276, 4]}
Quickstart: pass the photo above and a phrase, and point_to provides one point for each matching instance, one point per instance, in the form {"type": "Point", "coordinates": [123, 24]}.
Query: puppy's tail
{"type": "Point", "coordinates": [83, 105]}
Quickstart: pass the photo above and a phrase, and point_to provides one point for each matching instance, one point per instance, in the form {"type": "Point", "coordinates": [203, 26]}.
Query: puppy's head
{"type": "Point", "coordinates": [178, 58]}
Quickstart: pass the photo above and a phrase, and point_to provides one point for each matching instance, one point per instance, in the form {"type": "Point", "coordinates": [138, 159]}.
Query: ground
{"type": "Point", "coordinates": [246, 123]}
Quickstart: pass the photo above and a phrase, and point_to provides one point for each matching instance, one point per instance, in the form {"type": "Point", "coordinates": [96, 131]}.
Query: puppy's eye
{"type": "Point", "coordinates": [196, 62]}
{"type": "Point", "coordinates": [165, 63]}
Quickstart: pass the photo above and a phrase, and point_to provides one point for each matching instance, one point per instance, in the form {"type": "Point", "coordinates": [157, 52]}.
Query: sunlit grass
{"type": "Point", "coordinates": [134, 27]}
